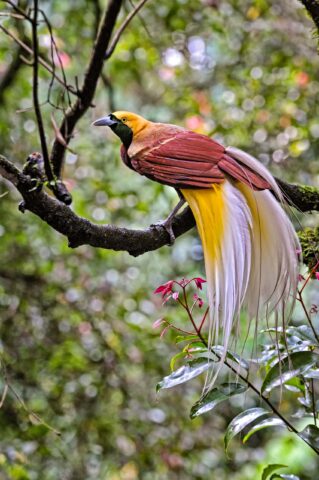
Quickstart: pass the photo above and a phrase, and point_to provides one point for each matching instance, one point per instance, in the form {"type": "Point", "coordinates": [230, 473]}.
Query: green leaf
{"type": "Point", "coordinates": [183, 338]}
{"type": "Point", "coordinates": [271, 469]}
{"type": "Point", "coordinates": [284, 476]}
{"type": "Point", "coordinates": [304, 333]}
{"type": "Point", "coordinates": [219, 349]}
{"type": "Point", "coordinates": [175, 358]}
{"type": "Point", "coordinates": [184, 373]}
{"type": "Point", "coordinates": [295, 364]}
{"type": "Point", "coordinates": [215, 396]}
{"type": "Point", "coordinates": [312, 373]}
{"type": "Point", "coordinates": [310, 434]}
{"type": "Point", "coordinates": [269, 422]}
{"type": "Point", "coordinates": [295, 385]}
{"type": "Point", "coordinates": [241, 421]}
{"type": "Point", "coordinates": [232, 356]}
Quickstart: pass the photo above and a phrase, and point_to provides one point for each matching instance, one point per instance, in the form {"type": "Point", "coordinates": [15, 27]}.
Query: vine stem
{"type": "Point", "coordinates": [242, 377]}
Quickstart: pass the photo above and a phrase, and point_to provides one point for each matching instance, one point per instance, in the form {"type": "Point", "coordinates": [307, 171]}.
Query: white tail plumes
{"type": "Point", "coordinates": [250, 249]}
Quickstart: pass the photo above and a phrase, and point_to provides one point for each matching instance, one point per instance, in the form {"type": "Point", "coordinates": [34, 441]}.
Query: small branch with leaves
{"type": "Point", "coordinates": [284, 362]}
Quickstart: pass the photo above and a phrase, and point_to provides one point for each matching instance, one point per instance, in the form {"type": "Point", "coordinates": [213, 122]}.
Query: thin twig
{"type": "Point", "coordinates": [43, 62]}
{"type": "Point", "coordinates": [142, 22]}
{"type": "Point", "coordinates": [121, 29]}
{"type": "Point", "coordinates": [309, 277]}
{"type": "Point", "coordinates": [97, 17]}
{"type": "Point", "coordinates": [19, 10]}
{"type": "Point", "coordinates": [37, 109]}
{"type": "Point", "coordinates": [4, 394]}
{"type": "Point", "coordinates": [12, 15]}
{"type": "Point", "coordinates": [203, 320]}
{"type": "Point", "coordinates": [55, 47]}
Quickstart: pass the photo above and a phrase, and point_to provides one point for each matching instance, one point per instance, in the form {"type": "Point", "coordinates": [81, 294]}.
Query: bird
{"type": "Point", "coordinates": [250, 247]}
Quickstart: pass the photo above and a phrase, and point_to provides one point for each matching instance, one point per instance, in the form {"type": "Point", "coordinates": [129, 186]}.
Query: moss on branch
{"type": "Point", "coordinates": [309, 239]}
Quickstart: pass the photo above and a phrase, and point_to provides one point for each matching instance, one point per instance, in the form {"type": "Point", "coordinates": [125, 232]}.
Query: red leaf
{"type": "Point", "coordinates": [165, 288]}
{"type": "Point", "coordinates": [199, 281]}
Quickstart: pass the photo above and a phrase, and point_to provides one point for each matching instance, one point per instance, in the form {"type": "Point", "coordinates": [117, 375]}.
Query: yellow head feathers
{"type": "Point", "coordinates": [135, 122]}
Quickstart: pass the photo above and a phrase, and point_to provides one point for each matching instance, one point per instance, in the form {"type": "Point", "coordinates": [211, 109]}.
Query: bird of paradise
{"type": "Point", "coordinates": [251, 249]}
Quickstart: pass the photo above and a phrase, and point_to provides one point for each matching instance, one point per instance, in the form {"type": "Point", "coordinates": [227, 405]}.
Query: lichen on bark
{"type": "Point", "coordinates": [309, 239]}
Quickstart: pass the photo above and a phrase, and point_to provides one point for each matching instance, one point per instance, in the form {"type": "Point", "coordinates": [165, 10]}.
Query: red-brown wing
{"type": "Point", "coordinates": [186, 160]}
{"type": "Point", "coordinates": [242, 173]}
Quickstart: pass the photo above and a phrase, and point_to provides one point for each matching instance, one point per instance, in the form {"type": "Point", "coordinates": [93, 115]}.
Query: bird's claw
{"type": "Point", "coordinates": [167, 225]}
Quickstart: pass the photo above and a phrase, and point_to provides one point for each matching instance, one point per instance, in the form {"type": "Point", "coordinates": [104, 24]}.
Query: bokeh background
{"type": "Point", "coordinates": [76, 325]}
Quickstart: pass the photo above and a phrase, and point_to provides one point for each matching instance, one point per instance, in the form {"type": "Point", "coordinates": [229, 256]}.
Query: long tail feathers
{"type": "Point", "coordinates": [250, 250]}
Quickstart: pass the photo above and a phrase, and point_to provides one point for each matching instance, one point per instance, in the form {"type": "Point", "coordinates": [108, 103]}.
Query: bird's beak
{"type": "Point", "coordinates": [104, 122]}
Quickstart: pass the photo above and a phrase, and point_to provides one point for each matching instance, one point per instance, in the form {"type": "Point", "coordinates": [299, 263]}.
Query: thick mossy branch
{"type": "Point", "coordinates": [312, 7]}
{"type": "Point", "coordinates": [303, 197]}
{"type": "Point", "coordinates": [80, 231]}
{"type": "Point", "coordinates": [309, 240]}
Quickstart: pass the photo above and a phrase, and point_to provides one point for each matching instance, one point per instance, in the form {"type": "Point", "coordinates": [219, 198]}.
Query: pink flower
{"type": "Point", "coordinates": [175, 295]}
{"type": "Point", "coordinates": [199, 281]}
{"type": "Point", "coordinates": [317, 275]}
{"type": "Point", "coordinates": [165, 288]}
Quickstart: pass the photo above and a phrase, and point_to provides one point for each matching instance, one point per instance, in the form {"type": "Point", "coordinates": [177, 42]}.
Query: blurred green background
{"type": "Point", "coordinates": [76, 325]}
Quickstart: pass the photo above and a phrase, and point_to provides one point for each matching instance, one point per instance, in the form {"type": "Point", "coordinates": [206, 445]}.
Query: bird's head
{"type": "Point", "coordinates": [124, 124]}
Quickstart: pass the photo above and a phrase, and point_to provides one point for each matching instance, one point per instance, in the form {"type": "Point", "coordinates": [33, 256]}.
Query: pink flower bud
{"type": "Point", "coordinates": [158, 322]}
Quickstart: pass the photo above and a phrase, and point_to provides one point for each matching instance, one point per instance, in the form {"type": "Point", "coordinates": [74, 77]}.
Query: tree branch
{"type": "Point", "coordinates": [35, 87]}
{"type": "Point", "coordinates": [87, 91]}
{"type": "Point", "coordinates": [118, 34]}
{"type": "Point", "coordinates": [80, 231]}
{"type": "Point", "coordinates": [312, 7]}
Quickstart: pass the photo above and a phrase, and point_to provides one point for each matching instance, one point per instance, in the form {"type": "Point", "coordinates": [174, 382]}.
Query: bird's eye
{"type": "Point", "coordinates": [124, 119]}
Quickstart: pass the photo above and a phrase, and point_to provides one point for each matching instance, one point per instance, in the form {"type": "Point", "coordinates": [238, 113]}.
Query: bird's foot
{"type": "Point", "coordinates": [167, 225]}
{"type": "Point", "coordinates": [168, 222]}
